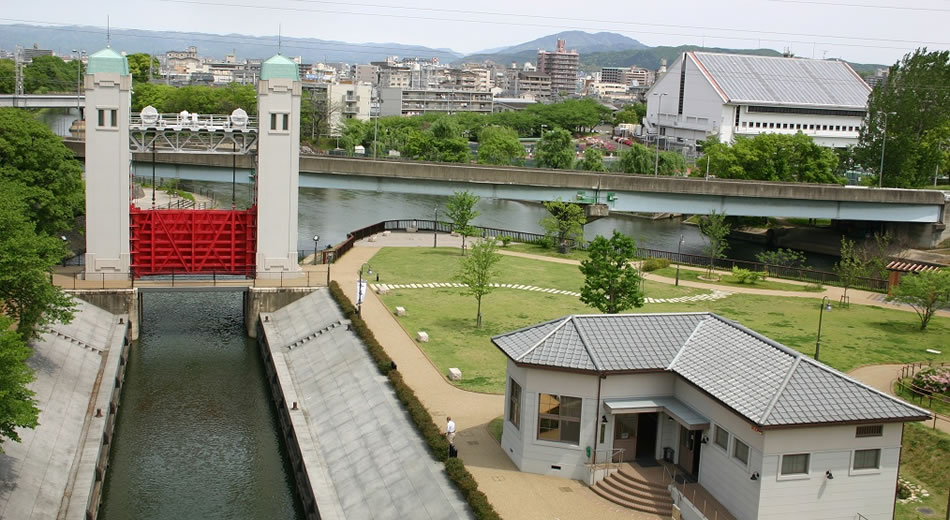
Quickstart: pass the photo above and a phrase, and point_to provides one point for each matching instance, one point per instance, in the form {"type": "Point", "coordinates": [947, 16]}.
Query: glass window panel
{"type": "Point", "coordinates": [514, 404]}
{"type": "Point", "coordinates": [549, 429]}
{"type": "Point", "coordinates": [722, 438]}
{"type": "Point", "coordinates": [571, 431]}
{"type": "Point", "coordinates": [549, 405]}
{"type": "Point", "coordinates": [571, 407]}
{"type": "Point", "coordinates": [114, 118]}
{"type": "Point", "coordinates": [286, 122]}
{"type": "Point", "coordinates": [273, 121]}
{"type": "Point", "coordinates": [741, 451]}
{"type": "Point", "coordinates": [795, 464]}
{"type": "Point", "coordinates": [867, 459]}
{"type": "Point", "coordinates": [102, 117]}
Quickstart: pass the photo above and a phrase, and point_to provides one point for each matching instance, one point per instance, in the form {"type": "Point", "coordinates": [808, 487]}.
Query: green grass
{"type": "Point", "coordinates": [851, 337]}
{"type": "Point", "coordinates": [729, 280]}
{"type": "Point", "coordinates": [939, 403]}
{"type": "Point", "coordinates": [925, 458]}
{"type": "Point", "coordinates": [534, 249]}
{"type": "Point", "coordinates": [496, 427]}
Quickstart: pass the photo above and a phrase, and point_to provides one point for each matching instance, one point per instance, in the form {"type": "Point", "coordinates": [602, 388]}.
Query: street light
{"type": "Point", "coordinates": [659, 105]}
{"type": "Point", "coordinates": [361, 289]}
{"type": "Point", "coordinates": [435, 229]}
{"type": "Point", "coordinates": [678, 260]}
{"type": "Point", "coordinates": [825, 306]}
{"type": "Point", "coordinates": [79, 54]}
{"type": "Point", "coordinates": [316, 239]}
{"type": "Point", "coordinates": [880, 172]}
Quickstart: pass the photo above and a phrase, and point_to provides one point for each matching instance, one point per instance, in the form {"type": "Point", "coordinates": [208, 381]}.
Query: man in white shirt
{"type": "Point", "coordinates": [450, 430]}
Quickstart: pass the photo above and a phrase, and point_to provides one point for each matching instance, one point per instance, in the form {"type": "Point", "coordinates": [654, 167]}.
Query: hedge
{"type": "Point", "coordinates": [421, 418]}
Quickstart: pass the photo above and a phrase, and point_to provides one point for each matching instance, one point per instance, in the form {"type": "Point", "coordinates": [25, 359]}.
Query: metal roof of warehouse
{"type": "Point", "coordinates": [771, 80]}
{"type": "Point", "coordinates": [769, 384]}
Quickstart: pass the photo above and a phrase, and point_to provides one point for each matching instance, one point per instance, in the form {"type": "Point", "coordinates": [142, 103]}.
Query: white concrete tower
{"type": "Point", "coordinates": [108, 103]}
{"type": "Point", "coordinates": [278, 166]}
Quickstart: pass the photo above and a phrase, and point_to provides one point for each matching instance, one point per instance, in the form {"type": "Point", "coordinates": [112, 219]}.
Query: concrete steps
{"type": "Point", "coordinates": [629, 491]}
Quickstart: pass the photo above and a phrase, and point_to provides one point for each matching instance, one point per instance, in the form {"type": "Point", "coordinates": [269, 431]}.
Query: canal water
{"type": "Point", "coordinates": [197, 435]}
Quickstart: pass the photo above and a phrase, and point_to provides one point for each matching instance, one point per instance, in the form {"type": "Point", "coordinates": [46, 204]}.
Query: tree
{"type": "Point", "coordinates": [50, 74]}
{"type": "Point", "coordinates": [17, 406]}
{"type": "Point", "coordinates": [611, 283]}
{"type": "Point", "coordinates": [636, 159]}
{"type": "Point", "coordinates": [925, 291]}
{"type": "Point", "coordinates": [565, 221]}
{"type": "Point", "coordinates": [39, 169]}
{"type": "Point", "coordinates": [593, 160]}
{"type": "Point", "coordinates": [782, 257]}
{"type": "Point", "coordinates": [771, 157]}
{"type": "Point", "coordinates": [631, 114]}
{"type": "Point", "coordinates": [477, 272]}
{"type": "Point", "coordinates": [715, 228]}
{"type": "Point", "coordinates": [26, 262]}
{"type": "Point", "coordinates": [7, 76]}
{"type": "Point", "coordinates": [499, 145]}
{"type": "Point", "coordinates": [556, 149]}
{"type": "Point", "coordinates": [917, 115]}
{"type": "Point", "coordinates": [849, 268]}
{"type": "Point", "coordinates": [460, 209]}
{"type": "Point", "coordinates": [142, 66]}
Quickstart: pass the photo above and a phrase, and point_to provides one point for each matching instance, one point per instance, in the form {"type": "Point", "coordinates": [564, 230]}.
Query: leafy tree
{"type": "Point", "coordinates": [636, 159]}
{"type": "Point", "coordinates": [771, 157]}
{"type": "Point", "coordinates": [139, 66]}
{"type": "Point", "coordinates": [926, 292]}
{"type": "Point", "coordinates": [631, 114]}
{"type": "Point", "coordinates": [499, 145]}
{"type": "Point", "coordinates": [460, 209]}
{"type": "Point", "coordinates": [26, 263]}
{"type": "Point", "coordinates": [611, 283]}
{"type": "Point", "coordinates": [17, 406]}
{"type": "Point", "coordinates": [565, 221]}
{"type": "Point", "coordinates": [782, 257]}
{"type": "Point", "coordinates": [716, 229]}
{"type": "Point", "coordinates": [556, 149]}
{"type": "Point", "coordinates": [671, 163]}
{"type": "Point", "coordinates": [7, 76]}
{"type": "Point", "coordinates": [50, 74]}
{"type": "Point", "coordinates": [593, 160]}
{"type": "Point", "coordinates": [41, 170]}
{"type": "Point", "coordinates": [849, 268]}
{"type": "Point", "coordinates": [477, 272]}
{"type": "Point", "coordinates": [918, 120]}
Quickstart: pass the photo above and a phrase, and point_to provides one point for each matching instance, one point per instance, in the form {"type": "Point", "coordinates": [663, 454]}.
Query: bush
{"type": "Point", "coordinates": [505, 240]}
{"type": "Point", "coordinates": [544, 242]}
{"type": "Point", "coordinates": [421, 418]}
{"type": "Point", "coordinates": [745, 275]}
{"type": "Point", "coordinates": [652, 264]}
{"type": "Point", "coordinates": [933, 381]}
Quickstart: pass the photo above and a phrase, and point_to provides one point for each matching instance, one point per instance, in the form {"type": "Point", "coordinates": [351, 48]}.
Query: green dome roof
{"type": "Point", "coordinates": [279, 67]}
{"type": "Point", "coordinates": [107, 60]}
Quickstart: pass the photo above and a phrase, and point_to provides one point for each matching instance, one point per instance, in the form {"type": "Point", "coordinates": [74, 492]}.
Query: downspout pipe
{"type": "Point", "coordinates": [597, 425]}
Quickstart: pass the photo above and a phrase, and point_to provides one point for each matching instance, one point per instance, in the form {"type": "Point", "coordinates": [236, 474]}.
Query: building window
{"type": "Point", "coordinates": [559, 418]}
{"type": "Point", "coordinates": [273, 121]}
{"type": "Point", "coordinates": [740, 451]}
{"type": "Point", "coordinates": [113, 118]}
{"type": "Point", "coordinates": [102, 117]}
{"type": "Point", "coordinates": [721, 438]}
{"type": "Point", "coordinates": [866, 459]}
{"type": "Point", "coordinates": [872, 430]}
{"type": "Point", "coordinates": [286, 121]}
{"type": "Point", "coordinates": [796, 464]}
{"type": "Point", "coordinates": [758, 124]}
{"type": "Point", "coordinates": [514, 404]}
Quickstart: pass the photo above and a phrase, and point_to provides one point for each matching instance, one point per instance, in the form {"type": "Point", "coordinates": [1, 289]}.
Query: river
{"type": "Point", "coordinates": [197, 435]}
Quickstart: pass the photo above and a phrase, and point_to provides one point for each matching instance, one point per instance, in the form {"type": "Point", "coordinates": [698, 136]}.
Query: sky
{"type": "Point", "coordinates": [864, 31]}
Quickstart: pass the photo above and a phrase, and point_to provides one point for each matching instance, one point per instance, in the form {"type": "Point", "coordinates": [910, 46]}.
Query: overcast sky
{"type": "Point", "coordinates": [867, 31]}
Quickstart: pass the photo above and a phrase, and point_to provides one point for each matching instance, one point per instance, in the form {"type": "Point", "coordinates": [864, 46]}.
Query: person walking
{"type": "Point", "coordinates": [450, 435]}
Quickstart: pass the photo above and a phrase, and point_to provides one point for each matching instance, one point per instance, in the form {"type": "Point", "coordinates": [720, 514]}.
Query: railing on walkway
{"type": "Point", "coordinates": [81, 280]}
{"type": "Point", "coordinates": [908, 371]}
{"type": "Point", "coordinates": [695, 495]}
{"type": "Point", "coordinates": [606, 460]}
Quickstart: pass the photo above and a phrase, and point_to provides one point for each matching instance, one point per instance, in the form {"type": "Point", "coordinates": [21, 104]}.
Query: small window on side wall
{"type": "Point", "coordinates": [740, 451]}
{"type": "Point", "coordinates": [273, 121]}
{"type": "Point", "coordinates": [721, 438]}
{"type": "Point", "coordinates": [514, 404]}
{"type": "Point", "coordinates": [866, 460]}
{"type": "Point", "coordinates": [102, 117]}
{"type": "Point", "coordinates": [286, 122]}
{"type": "Point", "coordinates": [795, 464]}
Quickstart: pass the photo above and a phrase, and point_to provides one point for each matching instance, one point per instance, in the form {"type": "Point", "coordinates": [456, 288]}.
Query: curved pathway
{"type": "Point", "coordinates": [716, 294]}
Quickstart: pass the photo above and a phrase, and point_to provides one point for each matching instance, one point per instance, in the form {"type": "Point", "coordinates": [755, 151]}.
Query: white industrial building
{"type": "Point", "coordinates": [732, 95]}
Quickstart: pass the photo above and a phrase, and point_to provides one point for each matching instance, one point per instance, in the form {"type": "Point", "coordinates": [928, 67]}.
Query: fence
{"type": "Point", "coordinates": [908, 371]}
{"type": "Point", "coordinates": [250, 278]}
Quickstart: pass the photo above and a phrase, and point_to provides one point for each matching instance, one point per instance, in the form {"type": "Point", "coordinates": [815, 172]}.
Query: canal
{"type": "Point", "coordinates": [197, 435]}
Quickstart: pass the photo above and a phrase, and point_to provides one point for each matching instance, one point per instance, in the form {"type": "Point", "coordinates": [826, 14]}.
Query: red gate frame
{"type": "Point", "coordinates": [193, 241]}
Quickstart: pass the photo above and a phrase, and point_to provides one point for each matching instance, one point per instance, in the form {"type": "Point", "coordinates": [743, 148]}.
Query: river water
{"type": "Point", "coordinates": [197, 435]}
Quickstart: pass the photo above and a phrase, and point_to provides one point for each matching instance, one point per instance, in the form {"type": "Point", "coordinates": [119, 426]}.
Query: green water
{"type": "Point", "coordinates": [197, 435]}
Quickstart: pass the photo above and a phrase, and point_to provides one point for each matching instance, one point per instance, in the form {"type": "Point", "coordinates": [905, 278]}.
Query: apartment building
{"type": "Point", "coordinates": [412, 102]}
{"type": "Point", "coordinates": [561, 65]}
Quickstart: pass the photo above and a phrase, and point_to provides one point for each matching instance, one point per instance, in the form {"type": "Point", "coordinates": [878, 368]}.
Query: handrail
{"type": "Point", "coordinates": [607, 463]}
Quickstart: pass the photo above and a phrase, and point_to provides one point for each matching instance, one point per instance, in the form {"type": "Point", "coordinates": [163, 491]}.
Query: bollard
{"type": "Point", "coordinates": [295, 406]}
{"type": "Point", "coordinates": [98, 412]}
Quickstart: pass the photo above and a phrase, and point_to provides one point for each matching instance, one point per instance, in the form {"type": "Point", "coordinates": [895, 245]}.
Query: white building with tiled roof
{"type": "Point", "coordinates": [734, 95]}
{"type": "Point", "coordinates": [767, 432]}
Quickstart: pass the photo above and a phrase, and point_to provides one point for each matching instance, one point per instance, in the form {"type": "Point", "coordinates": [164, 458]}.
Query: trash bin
{"type": "Point", "coordinates": [668, 455]}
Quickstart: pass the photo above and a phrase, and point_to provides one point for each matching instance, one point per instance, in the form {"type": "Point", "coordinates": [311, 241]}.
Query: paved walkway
{"type": "Point", "coordinates": [714, 295]}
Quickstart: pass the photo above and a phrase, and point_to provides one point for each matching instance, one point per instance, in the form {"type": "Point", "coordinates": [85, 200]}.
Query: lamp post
{"type": "Point", "coordinates": [79, 53]}
{"type": "Point", "coordinates": [316, 240]}
{"type": "Point", "coordinates": [375, 131]}
{"type": "Point", "coordinates": [435, 229]}
{"type": "Point", "coordinates": [678, 246]}
{"type": "Point", "coordinates": [659, 105]}
{"type": "Point", "coordinates": [880, 172]}
{"type": "Point", "coordinates": [825, 306]}
{"type": "Point", "coordinates": [360, 288]}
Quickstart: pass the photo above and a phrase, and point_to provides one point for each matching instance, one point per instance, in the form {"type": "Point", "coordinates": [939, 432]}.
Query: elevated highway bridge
{"type": "Point", "coordinates": [921, 215]}
{"type": "Point", "coordinates": [43, 100]}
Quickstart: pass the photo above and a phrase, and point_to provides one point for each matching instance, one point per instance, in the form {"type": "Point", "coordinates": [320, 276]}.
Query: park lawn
{"type": "Point", "coordinates": [496, 427]}
{"type": "Point", "coordinates": [925, 458]}
{"type": "Point", "coordinates": [938, 403]}
{"type": "Point", "coordinates": [534, 249]}
{"type": "Point", "coordinates": [730, 281]}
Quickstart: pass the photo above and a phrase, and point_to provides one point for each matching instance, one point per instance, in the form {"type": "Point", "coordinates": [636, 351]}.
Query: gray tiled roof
{"type": "Point", "coordinates": [785, 81]}
{"type": "Point", "coordinates": [768, 383]}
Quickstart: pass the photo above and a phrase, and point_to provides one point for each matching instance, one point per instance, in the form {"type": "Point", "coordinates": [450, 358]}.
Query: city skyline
{"type": "Point", "coordinates": [867, 33]}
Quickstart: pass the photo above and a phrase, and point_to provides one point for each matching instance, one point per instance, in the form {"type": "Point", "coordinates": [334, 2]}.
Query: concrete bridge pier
{"type": "Point", "coordinates": [596, 211]}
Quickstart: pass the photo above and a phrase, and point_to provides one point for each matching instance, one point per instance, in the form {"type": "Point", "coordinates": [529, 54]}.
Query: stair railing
{"type": "Point", "coordinates": [611, 459]}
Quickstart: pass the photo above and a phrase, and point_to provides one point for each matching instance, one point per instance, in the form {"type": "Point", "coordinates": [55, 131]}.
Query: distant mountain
{"type": "Point", "coordinates": [63, 39]}
{"type": "Point", "coordinates": [582, 42]}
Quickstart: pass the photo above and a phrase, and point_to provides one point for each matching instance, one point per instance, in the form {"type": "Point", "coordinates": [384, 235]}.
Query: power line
{"type": "Point", "coordinates": [864, 6]}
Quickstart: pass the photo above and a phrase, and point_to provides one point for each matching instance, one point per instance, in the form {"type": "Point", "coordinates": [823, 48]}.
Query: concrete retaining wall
{"type": "Point", "coordinates": [116, 301]}
{"type": "Point", "coordinates": [258, 300]}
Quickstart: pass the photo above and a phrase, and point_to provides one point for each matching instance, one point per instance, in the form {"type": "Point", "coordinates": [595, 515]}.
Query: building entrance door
{"type": "Point", "coordinates": [690, 444]}
{"type": "Point", "coordinates": [625, 435]}
{"type": "Point", "coordinates": [646, 435]}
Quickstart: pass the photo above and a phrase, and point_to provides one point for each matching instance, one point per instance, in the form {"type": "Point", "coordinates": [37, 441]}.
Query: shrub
{"type": "Point", "coordinates": [745, 275]}
{"type": "Point", "coordinates": [652, 264]}
{"type": "Point", "coordinates": [505, 240]}
{"type": "Point", "coordinates": [933, 381]}
{"type": "Point", "coordinates": [544, 242]}
{"type": "Point", "coordinates": [421, 418]}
